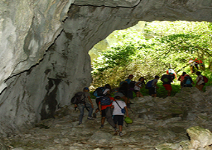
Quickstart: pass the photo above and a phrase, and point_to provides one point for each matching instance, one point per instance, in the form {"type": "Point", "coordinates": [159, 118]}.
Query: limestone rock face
{"type": "Point", "coordinates": [200, 137]}
{"type": "Point", "coordinates": [28, 28]}
{"type": "Point", "coordinates": [44, 48]}
{"type": "Point", "coordinates": [110, 3]}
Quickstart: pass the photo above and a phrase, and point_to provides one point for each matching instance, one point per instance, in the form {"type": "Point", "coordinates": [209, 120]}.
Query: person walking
{"type": "Point", "coordinates": [103, 92]}
{"type": "Point", "coordinates": [167, 79]}
{"type": "Point", "coordinates": [200, 81]}
{"type": "Point", "coordinates": [154, 87]}
{"type": "Point", "coordinates": [86, 104]}
{"type": "Point", "coordinates": [118, 114]}
{"type": "Point", "coordinates": [106, 111]}
{"type": "Point", "coordinates": [138, 86]}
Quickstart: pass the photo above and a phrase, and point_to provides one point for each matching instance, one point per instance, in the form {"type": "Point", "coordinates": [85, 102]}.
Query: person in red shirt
{"type": "Point", "coordinates": [199, 63]}
{"type": "Point", "coordinates": [106, 112]}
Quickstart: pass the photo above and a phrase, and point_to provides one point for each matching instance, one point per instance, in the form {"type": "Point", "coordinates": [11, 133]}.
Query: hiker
{"type": "Point", "coordinates": [171, 72]}
{"type": "Point", "coordinates": [138, 86]}
{"type": "Point", "coordinates": [199, 63]}
{"type": "Point", "coordinates": [123, 91]}
{"type": "Point", "coordinates": [181, 78]}
{"type": "Point", "coordinates": [200, 81]}
{"type": "Point", "coordinates": [196, 64]}
{"type": "Point", "coordinates": [130, 90]}
{"type": "Point", "coordinates": [187, 81]}
{"type": "Point", "coordinates": [86, 104]}
{"type": "Point", "coordinates": [106, 111]}
{"type": "Point", "coordinates": [153, 86]}
{"type": "Point", "coordinates": [128, 80]}
{"type": "Point", "coordinates": [191, 62]}
{"type": "Point", "coordinates": [118, 115]}
{"type": "Point", "coordinates": [100, 92]}
{"type": "Point", "coordinates": [167, 79]}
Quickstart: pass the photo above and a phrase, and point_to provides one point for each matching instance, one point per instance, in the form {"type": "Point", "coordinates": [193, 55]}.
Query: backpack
{"type": "Point", "coordinates": [187, 80]}
{"type": "Point", "coordinates": [165, 78]}
{"type": "Point", "coordinates": [78, 98]}
{"type": "Point", "coordinates": [120, 84]}
{"type": "Point", "coordinates": [99, 91]}
{"type": "Point", "coordinates": [205, 79]}
{"type": "Point", "coordinates": [105, 101]}
{"type": "Point", "coordinates": [149, 84]}
{"type": "Point", "coordinates": [132, 84]}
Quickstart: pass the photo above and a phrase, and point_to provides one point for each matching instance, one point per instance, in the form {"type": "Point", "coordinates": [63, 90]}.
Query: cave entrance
{"type": "Point", "coordinates": [150, 48]}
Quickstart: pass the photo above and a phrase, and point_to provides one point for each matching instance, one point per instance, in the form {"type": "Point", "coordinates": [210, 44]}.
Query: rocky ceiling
{"type": "Point", "coordinates": [44, 48]}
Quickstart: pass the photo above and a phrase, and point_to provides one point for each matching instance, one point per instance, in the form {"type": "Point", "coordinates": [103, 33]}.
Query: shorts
{"type": "Point", "coordinates": [97, 101]}
{"type": "Point", "coordinates": [152, 90]}
{"type": "Point", "coordinates": [104, 113]}
{"type": "Point", "coordinates": [118, 119]}
{"type": "Point", "coordinates": [168, 87]}
{"type": "Point", "coordinates": [201, 84]}
{"type": "Point", "coordinates": [136, 91]}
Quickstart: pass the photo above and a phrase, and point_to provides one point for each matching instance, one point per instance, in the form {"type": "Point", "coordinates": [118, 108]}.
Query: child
{"type": "Point", "coordinates": [118, 116]}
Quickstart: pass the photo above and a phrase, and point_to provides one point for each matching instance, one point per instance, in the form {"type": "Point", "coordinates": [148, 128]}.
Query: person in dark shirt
{"type": "Point", "coordinates": [167, 79]}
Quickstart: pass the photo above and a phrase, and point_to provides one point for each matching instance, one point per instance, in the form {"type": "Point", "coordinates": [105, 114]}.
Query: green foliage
{"type": "Point", "coordinates": [160, 45]}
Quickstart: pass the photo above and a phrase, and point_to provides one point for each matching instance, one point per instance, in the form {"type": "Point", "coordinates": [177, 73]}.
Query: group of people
{"type": "Point", "coordinates": [196, 64]}
{"type": "Point", "coordinates": [113, 108]}
{"type": "Point", "coordinates": [186, 80]}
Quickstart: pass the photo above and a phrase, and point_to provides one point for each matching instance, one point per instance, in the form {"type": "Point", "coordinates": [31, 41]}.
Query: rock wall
{"type": "Point", "coordinates": [44, 48]}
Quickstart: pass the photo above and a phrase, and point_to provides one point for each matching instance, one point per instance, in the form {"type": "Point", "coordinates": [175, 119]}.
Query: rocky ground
{"type": "Point", "coordinates": [163, 124]}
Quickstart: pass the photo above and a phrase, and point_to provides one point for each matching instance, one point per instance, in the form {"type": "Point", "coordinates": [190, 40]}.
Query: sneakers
{"type": "Point", "coordinates": [115, 131]}
{"type": "Point", "coordinates": [120, 134]}
{"type": "Point", "coordinates": [90, 118]}
{"type": "Point", "coordinates": [102, 126]}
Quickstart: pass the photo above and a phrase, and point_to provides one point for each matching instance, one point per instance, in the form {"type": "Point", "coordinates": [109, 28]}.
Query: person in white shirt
{"type": "Point", "coordinates": [138, 87]}
{"type": "Point", "coordinates": [118, 115]}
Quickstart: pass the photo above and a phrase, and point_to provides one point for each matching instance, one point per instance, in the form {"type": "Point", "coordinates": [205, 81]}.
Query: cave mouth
{"type": "Point", "coordinates": [179, 41]}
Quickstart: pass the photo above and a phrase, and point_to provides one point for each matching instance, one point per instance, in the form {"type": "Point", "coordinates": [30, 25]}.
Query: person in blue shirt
{"type": "Point", "coordinates": [128, 80]}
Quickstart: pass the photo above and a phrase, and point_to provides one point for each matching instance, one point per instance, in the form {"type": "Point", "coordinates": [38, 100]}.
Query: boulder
{"type": "Point", "coordinates": [200, 137]}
